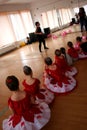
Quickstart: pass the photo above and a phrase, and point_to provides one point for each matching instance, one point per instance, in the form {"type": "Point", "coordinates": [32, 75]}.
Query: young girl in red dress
{"type": "Point", "coordinates": [32, 85]}
{"type": "Point", "coordinates": [62, 64]}
{"type": "Point", "coordinates": [55, 80]}
{"type": "Point", "coordinates": [78, 43]}
{"type": "Point", "coordinates": [81, 47]}
{"type": "Point", "coordinates": [72, 52]}
{"type": "Point", "coordinates": [26, 115]}
{"type": "Point", "coordinates": [67, 57]}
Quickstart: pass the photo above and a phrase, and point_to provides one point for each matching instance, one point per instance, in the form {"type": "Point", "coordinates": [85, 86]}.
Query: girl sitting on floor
{"type": "Point", "coordinates": [66, 56]}
{"type": "Point", "coordinates": [32, 85]}
{"type": "Point", "coordinates": [26, 115]}
{"type": "Point", "coordinates": [72, 52]}
{"type": "Point", "coordinates": [62, 64]}
{"type": "Point", "coordinates": [81, 47]}
{"type": "Point", "coordinates": [55, 80]}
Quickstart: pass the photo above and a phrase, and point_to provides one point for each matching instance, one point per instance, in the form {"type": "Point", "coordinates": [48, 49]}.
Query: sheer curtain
{"type": "Point", "coordinates": [6, 30]}
{"type": "Point", "coordinates": [27, 22]}
{"type": "Point", "coordinates": [55, 18]}
{"type": "Point", "coordinates": [65, 15]}
{"type": "Point", "coordinates": [15, 26]}
{"type": "Point", "coordinates": [49, 19]}
{"type": "Point", "coordinates": [44, 20]}
{"type": "Point", "coordinates": [22, 24]}
{"type": "Point", "coordinates": [85, 7]}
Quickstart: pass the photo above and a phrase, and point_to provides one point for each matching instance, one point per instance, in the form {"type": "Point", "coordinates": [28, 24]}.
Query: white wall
{"type": "Point", "coordinates": [15, 7]}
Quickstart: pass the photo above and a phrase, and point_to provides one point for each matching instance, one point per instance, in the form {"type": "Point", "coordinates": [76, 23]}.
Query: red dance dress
{"type": "Point", "coordinates": [41, 95]}
{"type": "Point", "coordinates": [64, 67]}
{"type": "Point", "coordinates": [57, 82]}
{"type": "Point", "coordinates": [81, 53]}
{"type": "Point", "coordinates": [26, 116]}
{"type": "Point", "coordinates": [73, 53]}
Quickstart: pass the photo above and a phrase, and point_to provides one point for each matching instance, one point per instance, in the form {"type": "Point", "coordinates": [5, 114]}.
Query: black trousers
{"type": "Point", "coordinates": [41, 41]}
{"type": "Point", "coordinates": [83, 23]}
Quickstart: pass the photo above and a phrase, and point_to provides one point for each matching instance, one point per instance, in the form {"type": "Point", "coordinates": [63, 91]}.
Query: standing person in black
{"type": "Point", "coordinates": [82, 18]}
{"type": "Point", "coordinates": [40, 36]}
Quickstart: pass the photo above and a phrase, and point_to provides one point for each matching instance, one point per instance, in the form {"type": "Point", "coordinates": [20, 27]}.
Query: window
{"type": "Point", "coordinates": [18, 26]}
{"type": "Point", "coordinates": [27, 22]}
{"type": "Point", "coordinates": [6, 31]}
{"type": "Point", "coordinates": [65, 15]}
{"type": "Point", "coordinates": [50, 19]}
{"type": "Point", "coordinates": [15, 26]}
{"type": "Point", "coordinates": [56, 18]}
{"type": "Point", "coordinates": [76, 10]}
{"type": "Point", "coordinates": [44, 20]}
{"type": "Point", "coordinates": [85, 7]}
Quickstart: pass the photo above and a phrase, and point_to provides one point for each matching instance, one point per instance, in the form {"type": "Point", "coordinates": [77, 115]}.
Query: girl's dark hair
{"type": "Point", "coordinates": [63, 50]}
{"type": "Point", "coordinates": [27, 70]}
{"type": "Point", "coordinates": [12, 83]}
{"type": "Point", "coordinates": [70, 44]}
{"type": "Point", "coordinates": [79, 39]}
{"type": "Point", "coordinates": [57, 52]}
{"type": "Point", "coordinates": [48, 61]}
{"type": "Point", "coordinates": [36, 23]}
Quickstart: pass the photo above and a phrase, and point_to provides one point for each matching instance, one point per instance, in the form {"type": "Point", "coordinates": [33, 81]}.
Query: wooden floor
{"type": "Point", "coordinates": [69, 112]}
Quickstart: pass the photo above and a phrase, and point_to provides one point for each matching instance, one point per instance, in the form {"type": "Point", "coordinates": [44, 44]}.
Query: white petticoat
{"type": "Point", "coordinates": [82, 56]}
{"type": "Point", "coordinates": [49, 97]}
{"type": "Point", "coordinates": [40, 120]}
{"type": "Point", "coordinates": [56, 88]}
{"type": "Point", "coordinates": [72, 72]}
